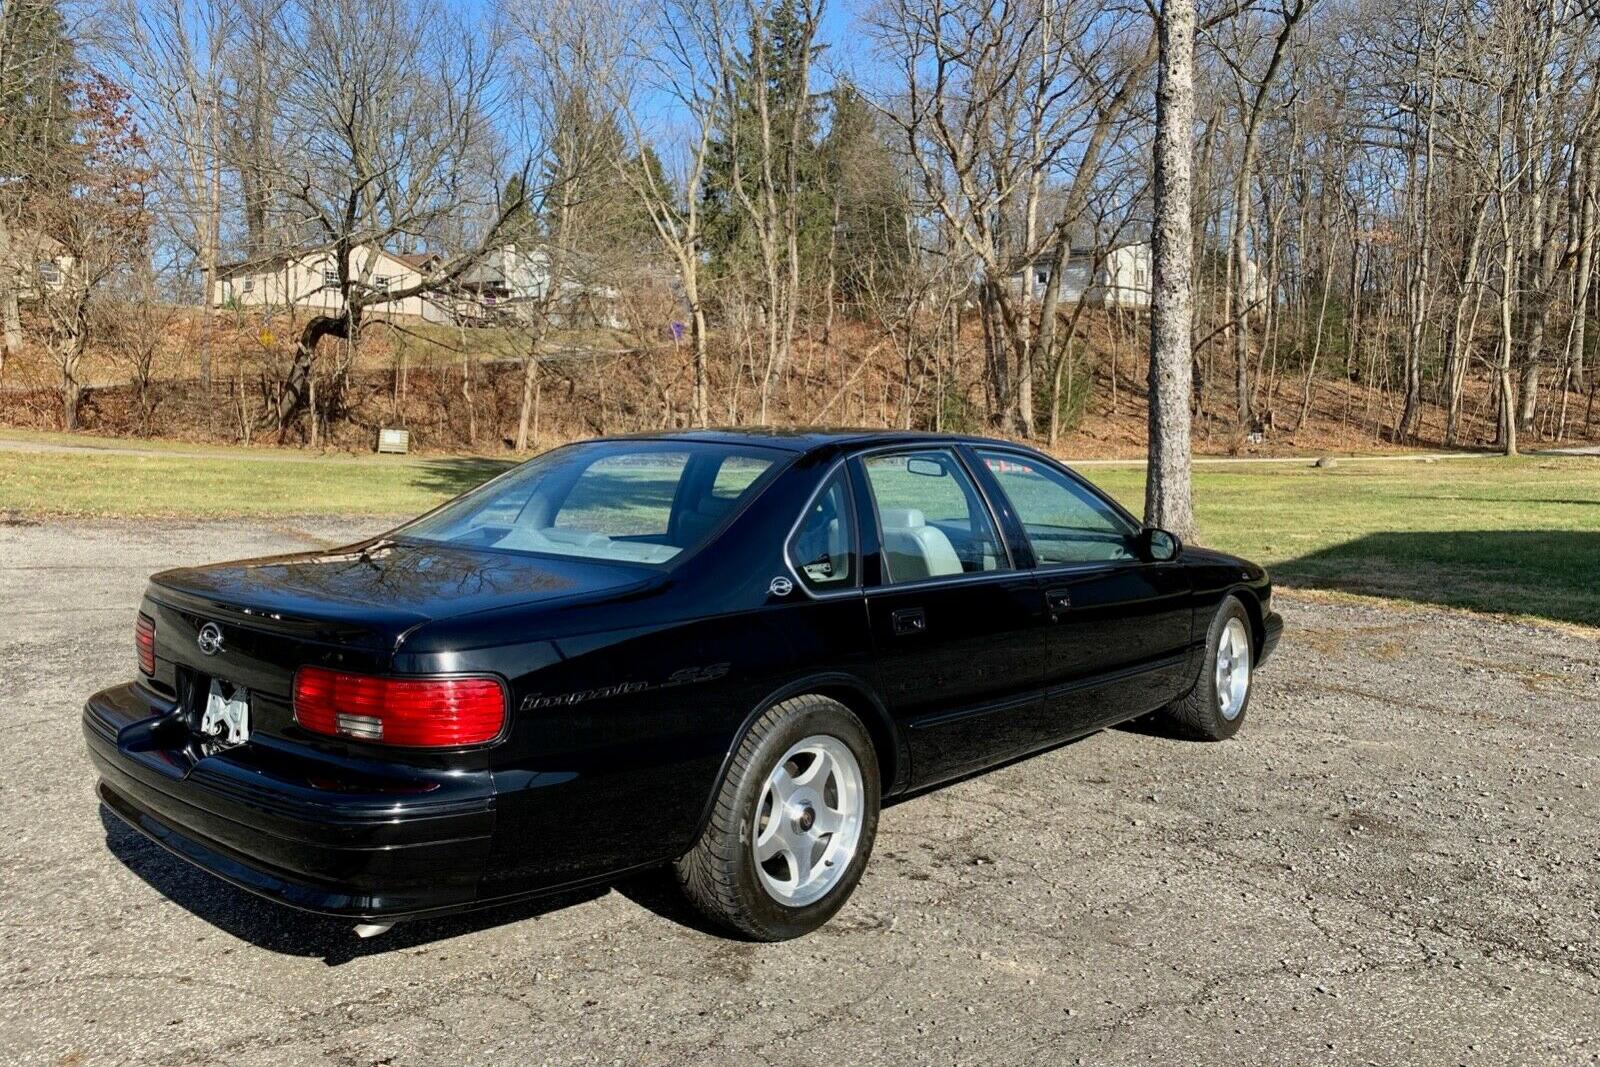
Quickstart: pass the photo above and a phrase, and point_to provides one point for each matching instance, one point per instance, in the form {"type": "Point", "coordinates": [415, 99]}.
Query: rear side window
{"type": "Point", "coordinates": [735, 475]}
{"type": "Point", "coordinates": [933, 522]}
{"type": "Point", "coordinates": [1065, 522]}
{"type": "Point", "coordinates": [824, 543]}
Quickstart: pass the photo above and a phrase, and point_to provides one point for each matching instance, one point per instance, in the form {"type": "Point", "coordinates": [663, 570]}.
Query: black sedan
{"type": "Point", "coordinates": [715, 650]}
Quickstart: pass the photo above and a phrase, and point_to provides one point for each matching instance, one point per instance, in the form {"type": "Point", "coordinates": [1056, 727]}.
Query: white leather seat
{"type": "Point", "coordinates": [915, 549]}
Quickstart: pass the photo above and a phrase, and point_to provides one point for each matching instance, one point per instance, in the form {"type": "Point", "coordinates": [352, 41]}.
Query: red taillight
{"type": "Point", "coordinates": [416, 712]}
{"type": "Point", "coordinates": [144, 636]}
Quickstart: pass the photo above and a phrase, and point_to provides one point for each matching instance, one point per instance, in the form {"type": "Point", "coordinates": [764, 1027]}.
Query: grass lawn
{"type": "Point", "coordinates": [246, 484]}
{"type": "Point", "coordinates": [1519, 536]}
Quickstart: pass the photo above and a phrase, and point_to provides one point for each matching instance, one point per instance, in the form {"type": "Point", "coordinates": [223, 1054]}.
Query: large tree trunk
{"type": "Point", "coordinates": [1168, 495]}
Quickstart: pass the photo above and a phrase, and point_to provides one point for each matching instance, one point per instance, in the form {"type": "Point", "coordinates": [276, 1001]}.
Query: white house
{"type": "Point", "coordinates": [311, 280]}
{"type": "Point", "coordinates": [1123, 279]}
{"type": "Point", "coordinates": [509, 276]}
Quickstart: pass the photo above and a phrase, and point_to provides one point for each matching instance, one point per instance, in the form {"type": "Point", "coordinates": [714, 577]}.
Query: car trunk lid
{"type": "Point", "coordinates": [253, 623]}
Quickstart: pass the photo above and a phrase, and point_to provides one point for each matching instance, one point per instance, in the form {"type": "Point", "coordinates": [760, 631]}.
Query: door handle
{"type": "Point", "coordinates": [909, 621]}
{"type": "Point", "coordinates": [1059, 601]}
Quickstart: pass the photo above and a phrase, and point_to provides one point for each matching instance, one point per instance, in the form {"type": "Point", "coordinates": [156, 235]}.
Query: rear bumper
{"type": "Point", "coordinates": [1271, 631]}
{"type": "Point", "coordinates": [318, 833]}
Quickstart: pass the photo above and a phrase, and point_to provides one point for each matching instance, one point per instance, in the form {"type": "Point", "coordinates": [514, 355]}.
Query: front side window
{"type": "Point", "coordinates": [630, 502]}
{"type": "Point", "coordinates": [1065, 522]}
{"type": "Point", "coordinates": [823, 544]}
{"type": "Point", "coordinates": [933, 522]}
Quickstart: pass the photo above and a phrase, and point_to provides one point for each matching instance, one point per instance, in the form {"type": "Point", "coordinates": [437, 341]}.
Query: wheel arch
{"type": "Point", "coordinates": [1252, 609]}
{"type": "Point", "coordinates": [853, 693]}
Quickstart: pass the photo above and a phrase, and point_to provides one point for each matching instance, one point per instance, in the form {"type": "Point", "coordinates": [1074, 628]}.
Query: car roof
{"type": "Point", "coordinates": [809, 439]}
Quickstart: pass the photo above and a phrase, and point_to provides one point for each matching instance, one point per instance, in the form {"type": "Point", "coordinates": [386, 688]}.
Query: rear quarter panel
{"type": "Point", "coordinates": [624, 711]}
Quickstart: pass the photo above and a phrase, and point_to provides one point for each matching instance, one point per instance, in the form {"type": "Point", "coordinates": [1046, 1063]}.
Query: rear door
{"type": "Point", "coordinates": [958, 628]}
{"type": "Point", "coordinates": [1119, 637]}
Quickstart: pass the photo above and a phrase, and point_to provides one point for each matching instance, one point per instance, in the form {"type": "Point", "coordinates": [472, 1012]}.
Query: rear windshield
{"type": "Point", "coordinates": [627, 501]}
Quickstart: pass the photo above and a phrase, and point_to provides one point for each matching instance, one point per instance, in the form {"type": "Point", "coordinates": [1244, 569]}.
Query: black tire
{"type": "Point", "coordinates": [719, 875]}
{"type": "Point", "coordinates": [1199, 714]}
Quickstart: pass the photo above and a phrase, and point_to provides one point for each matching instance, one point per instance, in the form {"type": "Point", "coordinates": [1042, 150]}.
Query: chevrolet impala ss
{"type": "Point", "coordinates": [717, 651]}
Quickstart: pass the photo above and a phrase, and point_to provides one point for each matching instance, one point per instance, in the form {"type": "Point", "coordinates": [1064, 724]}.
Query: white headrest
{"type": "Point", "coordinates": [903, 518]}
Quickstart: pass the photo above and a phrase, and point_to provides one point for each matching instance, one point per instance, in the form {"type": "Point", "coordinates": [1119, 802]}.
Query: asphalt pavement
{"type": "Point", "coordinates": [1396, 862]}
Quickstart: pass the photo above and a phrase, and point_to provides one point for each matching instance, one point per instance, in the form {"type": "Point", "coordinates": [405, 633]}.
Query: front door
{"type": "Point", "coordinates": [1120, 636]}
{"type": "Point", "coordinates": [957, 628]}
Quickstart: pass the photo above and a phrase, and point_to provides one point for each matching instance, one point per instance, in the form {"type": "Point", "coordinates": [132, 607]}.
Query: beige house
{"type": "Point", "coordinates": [311, 280]}
{"type": "Point", "coordinates": [38, 262]}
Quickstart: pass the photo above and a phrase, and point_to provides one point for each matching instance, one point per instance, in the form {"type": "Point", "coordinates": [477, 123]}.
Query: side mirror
{"type": "Point", "coordinates": [1159, 546]}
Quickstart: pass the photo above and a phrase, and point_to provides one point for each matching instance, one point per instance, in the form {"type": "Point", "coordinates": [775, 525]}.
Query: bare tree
{"type": "Point", "coordinates": [567, 61]}
{"type": "Point", "coordinates": [389, 106]}
{"type": "Point", "coordinates": [173, 52]}
{"type": "Point", "coordinates": [764, 144]}
{"type": "Point", "coordinates": [994, 101]}
{"type": "Point", "coordinates": [665, 57]}
{"type": "Point", "coordinates": [1252, 88]}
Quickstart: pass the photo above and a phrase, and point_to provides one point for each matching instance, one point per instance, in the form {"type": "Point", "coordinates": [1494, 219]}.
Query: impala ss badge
{"type": "Point", "coordinates": [210, 639]}
{"type": "Point", "coordinates": [780, 586]}
{"type": "Point", "coordinates": [685, 676]}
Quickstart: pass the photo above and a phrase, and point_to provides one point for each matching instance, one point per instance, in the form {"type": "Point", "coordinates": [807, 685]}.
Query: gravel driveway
{"type": "Point", "coordinates": [1395, 862]}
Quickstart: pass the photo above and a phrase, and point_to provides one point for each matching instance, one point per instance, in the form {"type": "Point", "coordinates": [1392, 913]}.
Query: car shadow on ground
{"type": "Point", "coordinates": [1548, 573]}
{"type": "Point", "coordinates": [284, 930]}
{"type": "Point", "coordinates": [451, 477]}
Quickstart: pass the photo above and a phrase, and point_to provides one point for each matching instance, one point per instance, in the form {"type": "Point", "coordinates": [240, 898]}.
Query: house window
{"type": "Point", "coordinates": [247, 285]}
{"type": "Point", "coordinates": [330, 276]}
{"type": "Point", "coordinates": [1043, 276]}
{"type": "Point", "coordinates": [381, 283]}
{"type": "Point", "coordinates": [49, 274]}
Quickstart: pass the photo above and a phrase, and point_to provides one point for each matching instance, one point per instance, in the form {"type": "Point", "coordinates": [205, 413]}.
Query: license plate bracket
{"type": "Point", "coordinates": [226, 718]}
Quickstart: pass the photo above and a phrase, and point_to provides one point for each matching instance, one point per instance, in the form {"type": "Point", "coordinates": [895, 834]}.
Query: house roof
{"type": "Point", "coordinates": [28, 243]}
{"type": "Point", "coordinates": [418, 261]}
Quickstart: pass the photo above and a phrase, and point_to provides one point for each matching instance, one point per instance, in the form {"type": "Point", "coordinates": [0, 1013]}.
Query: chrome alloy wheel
{"type": "Point", "coordinates": [808, 821]}
{"type": "Point", "coordinates": [1233, 668]}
